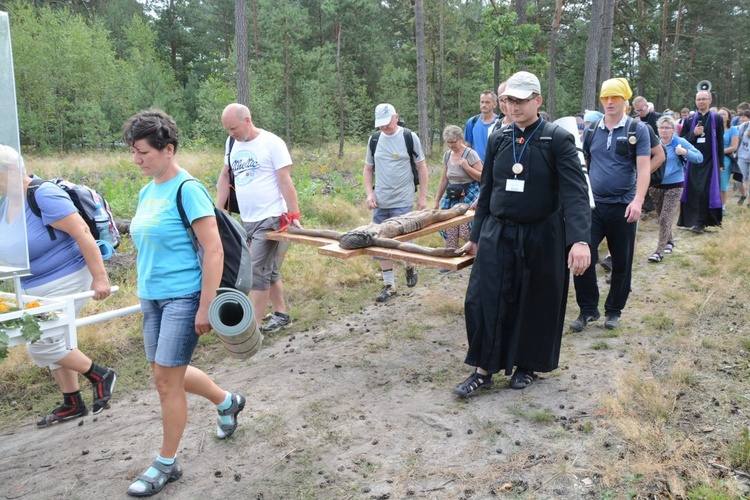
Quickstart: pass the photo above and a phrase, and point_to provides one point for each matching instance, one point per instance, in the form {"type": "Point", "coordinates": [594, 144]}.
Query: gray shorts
{"type": "Point", "coordinates": [268, 255]}
{"type": "Point", "coordinates": [46, 352]}
{"type": "Point", "coordinates": [744, 168]}
{"type": "Point", "coordinates": [381, 214]}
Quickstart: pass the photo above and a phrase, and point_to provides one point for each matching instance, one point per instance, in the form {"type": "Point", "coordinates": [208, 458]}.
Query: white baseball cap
{"type": "Point", "coordinates": [521, 85]}
{"type": "Point", "coordinates": [383, 113]}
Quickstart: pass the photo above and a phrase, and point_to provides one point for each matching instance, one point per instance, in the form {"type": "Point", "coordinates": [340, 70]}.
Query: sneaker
{"type": "Point", "coordinates": [582, 320]}
{"type": "Point", "coordinates": [103, 391]}
{"type": "Point", "coordinates": [386, 294]}
{"type": "Point", "coordinates": [276, 323]}
{"type": "Point", "coordinates": [607, 263]}
{"type": "Point", "coordinates": [472, 384]}
{"type": "Point", "coordinates": [63, 413]}
{"type": "Point", "coordinates": [411, 276]}
{"type": "Point", "coordinates": [742, 199]}
{"type": "Point", "coordinates": [224, 430]}
{"type": "Point", "coordinates": [612, 322]}
{"type": "Point", "coordinates": [669, 247]}
{"type": "Point", "coordinates": [444, 271]}
{"type": "Point", "coordinates": [697, 228]}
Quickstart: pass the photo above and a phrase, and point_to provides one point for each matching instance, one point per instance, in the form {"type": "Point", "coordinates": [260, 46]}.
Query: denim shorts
{"type": "Point", "coordinates": [169, 329]}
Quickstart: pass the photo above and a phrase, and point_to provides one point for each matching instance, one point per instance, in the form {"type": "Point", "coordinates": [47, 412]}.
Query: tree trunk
{"type": "Point", "coordinates": [553, 58]}
{"type": "Point", "coordinates": [240, 41]}
{"type": "Point", "coordinates": [341, 89]}
{"type": "Point", "coordinates": [588, 97]}
{"type": "Point", "coordinates": [287, 96]}
{"type": "Point", "coordinates": [605, 54]}
{"type": "Point", "coordinates": [441, 97]}
{"type": "Point", "coordinates": [663, 54]}
{"type": "Point", "coordinates": [256, 37]}
{"type": "Point", "coordinates": [421, 75]}
{"type": "Point", "coordinates": [521, 16]}
{"type": "Point", "coordinates": [673, 58]}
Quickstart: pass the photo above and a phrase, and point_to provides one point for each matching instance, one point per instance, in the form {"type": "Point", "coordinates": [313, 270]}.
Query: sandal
{"type": "Point", "coordinates": [472, 384]}
{"type": "Point", "coordinates": [226, 429]}
{"type": "Point", "coordinates": [657, 257]}
{"type": "Point", "coordinates": [521, 378]}
{"type": "Point", "coordinates": [167, 474]}
{"type": "Point", "coordinates": [669, 247]}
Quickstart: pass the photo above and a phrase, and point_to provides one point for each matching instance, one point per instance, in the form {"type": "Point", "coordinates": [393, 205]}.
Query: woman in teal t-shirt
{"type": "Point", "coordinates": [175, 293]}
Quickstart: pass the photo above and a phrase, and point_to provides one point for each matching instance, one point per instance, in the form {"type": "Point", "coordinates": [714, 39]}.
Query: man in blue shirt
{"type": "Point", "coordinates": [477, 127]}
{"type": "Point", "coordinates": [620, 172]}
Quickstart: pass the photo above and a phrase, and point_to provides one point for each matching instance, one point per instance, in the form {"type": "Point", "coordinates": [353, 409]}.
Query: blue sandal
{"type": "Point", "coordinates": [167, 474]}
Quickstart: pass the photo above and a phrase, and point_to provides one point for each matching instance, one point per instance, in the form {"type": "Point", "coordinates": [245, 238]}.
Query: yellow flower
{"type": "Point", "coordinates": [31, 305]}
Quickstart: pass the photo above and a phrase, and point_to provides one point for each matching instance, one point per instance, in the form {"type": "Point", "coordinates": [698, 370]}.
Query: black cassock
{"type": "Point", "coordinates": [701, 198]}
{"type": "Point", "coordinates": [517, 293]}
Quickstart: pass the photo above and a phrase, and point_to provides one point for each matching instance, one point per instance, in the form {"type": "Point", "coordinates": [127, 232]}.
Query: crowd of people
{"type": "Point", "coordinates": [533, 226]}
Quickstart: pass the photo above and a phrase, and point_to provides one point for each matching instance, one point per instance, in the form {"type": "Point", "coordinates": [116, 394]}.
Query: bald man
{"type": "Point", "coordinates": [261, 167]}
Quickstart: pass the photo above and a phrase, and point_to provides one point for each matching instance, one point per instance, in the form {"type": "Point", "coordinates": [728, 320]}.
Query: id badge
{"type": "Point", "coordinates": [515, 185]}
{"type": "Point", "coordinates": [701, 140]}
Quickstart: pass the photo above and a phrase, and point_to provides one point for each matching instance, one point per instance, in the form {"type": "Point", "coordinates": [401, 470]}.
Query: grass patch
{"type": "Point", "coordinates": [532, 415]}
{"type": "Point", "coordinates": [601, 345]}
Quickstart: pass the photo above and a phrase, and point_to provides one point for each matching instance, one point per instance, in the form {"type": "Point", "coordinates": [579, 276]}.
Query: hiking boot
{"type": "Point", "coordinates": [103, 391]}
{"type": "Point", "coordinates": [582, 320]}
{"type": "Point", "coordinates": [411, 276]}
{"type": "Point", "coordinates": [612, 322]}
{"type": "Point", "coordinates": [276, 323]}
{"type": "Point", "coordinates": [472, 384]}
{"type": "Point", "coordinates": [63, 413]}
{"type": "Point", "coordinates": [607, 263]}
{"type": "Point", "coordinates": [224, 430]}
{"type": "Point", "coordinates": [386, 294]}
{"type": "Point", "coordinates": [697, 228]}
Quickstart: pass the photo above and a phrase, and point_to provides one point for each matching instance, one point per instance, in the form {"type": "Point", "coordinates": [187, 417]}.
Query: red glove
{"type": "Point", "coordinates": [287, 218]}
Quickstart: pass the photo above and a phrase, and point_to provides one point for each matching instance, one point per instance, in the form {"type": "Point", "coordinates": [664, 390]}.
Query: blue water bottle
{"type": "Point", "coordinates": [102, 223]}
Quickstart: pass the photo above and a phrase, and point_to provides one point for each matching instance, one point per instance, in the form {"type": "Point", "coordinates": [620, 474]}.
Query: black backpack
{"type": "Point", "coordinates": [84, 198]}
{"type": "Point", "coordinates": [238, 263]}
{"type": "Point", "coordinates": [409, 141]}
{"type": "Point", "coordinates": [231, 204]}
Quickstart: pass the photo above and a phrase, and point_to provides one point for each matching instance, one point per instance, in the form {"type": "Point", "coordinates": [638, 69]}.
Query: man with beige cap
{"type": "Point", "coordinates": [620, 172]}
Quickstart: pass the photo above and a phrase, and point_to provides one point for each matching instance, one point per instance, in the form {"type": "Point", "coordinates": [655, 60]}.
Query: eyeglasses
{"type": "Point", "coordinates": [519, 102]}
{"type": "Point", "coordinates": [502, 100]}
{"type": "Point", "coordinates": [615, 98]}
{"type": "Point", "coordinates": [452, 142]}
{"type": "Point", "coordinates": [665, 128]}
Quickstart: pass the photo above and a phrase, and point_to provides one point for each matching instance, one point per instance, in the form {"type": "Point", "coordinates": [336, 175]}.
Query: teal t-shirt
{"type": "Point", "coordinates": [167, 262]}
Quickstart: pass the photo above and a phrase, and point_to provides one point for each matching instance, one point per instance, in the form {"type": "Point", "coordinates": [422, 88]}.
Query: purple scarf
{"type": "Point", "coordinates": [714, 194]}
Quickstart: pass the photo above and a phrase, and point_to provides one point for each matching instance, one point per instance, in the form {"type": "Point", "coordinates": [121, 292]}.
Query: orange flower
{"type": "Point", "coordinates": [31, 305]}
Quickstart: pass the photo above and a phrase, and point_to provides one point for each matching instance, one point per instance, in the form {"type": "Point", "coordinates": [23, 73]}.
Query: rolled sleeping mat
{"type": "Point", "coordinates": [106, 249]}
{"type": "Point", "coordinates": [232, 317]}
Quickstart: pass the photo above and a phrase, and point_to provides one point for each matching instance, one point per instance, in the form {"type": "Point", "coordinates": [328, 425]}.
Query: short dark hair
{"type": "Point", "coordinates": [745, 113]}
{"type": "Point", "coordinates": [155, 126]}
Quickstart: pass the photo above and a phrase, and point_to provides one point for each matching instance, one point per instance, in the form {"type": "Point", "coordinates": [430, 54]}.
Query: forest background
{"type": "Point", "coordinates": [317, 68]}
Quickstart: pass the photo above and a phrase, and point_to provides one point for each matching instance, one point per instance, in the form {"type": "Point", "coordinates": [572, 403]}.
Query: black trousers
{"type": "Point", "coordinates": [608, 221]}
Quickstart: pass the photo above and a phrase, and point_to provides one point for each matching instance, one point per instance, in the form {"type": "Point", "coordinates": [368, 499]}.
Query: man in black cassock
{"type": "Point", "coordinates": [701, 197]}
{"type": "Point", "coordinates": [532, 224]}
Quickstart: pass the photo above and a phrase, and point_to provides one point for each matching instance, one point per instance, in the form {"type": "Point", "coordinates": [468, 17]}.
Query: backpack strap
{"type": "Point", "coordinates": [587, 138]}
{"type": "Point", "coordinates": [229, 151]}
{"type": "Point", "coordinates": [474, 120]}
{"type": "Point", "coordinates": [186, 222]}
{"type": "Point", "coordinates": [446, 157]}
{"type": "Point", "coordinates": [34, 206]}
{"type": "Point", "coordinates": [632, 127]}
{"type": "Point", "coordinates": [409, 141]}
